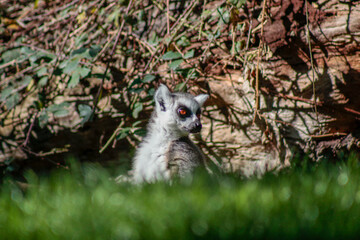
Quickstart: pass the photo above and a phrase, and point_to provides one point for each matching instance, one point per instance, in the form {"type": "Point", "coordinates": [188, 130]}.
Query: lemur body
{"type": "Point", "coordinates": [166, 149]}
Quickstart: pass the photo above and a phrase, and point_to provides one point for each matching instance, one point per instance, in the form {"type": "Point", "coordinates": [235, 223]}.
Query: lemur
{"type": "Point", "coordinates": [166, 150]}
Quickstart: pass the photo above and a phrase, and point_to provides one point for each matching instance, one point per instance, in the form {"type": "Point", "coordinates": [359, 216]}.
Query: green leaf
{"type": "Point", "coordinates": [71, 65]}
{"type": "Point", "coordinates": [41, 72]}
{"type": "Point", "coordinates": [11, 55]}
{"type": "Point", "coordinates": [184, 42]}
{"type": "Point", "coordinates": [94, 50]}
{"type": "Point", "coordinates": [12, 101]}
{"type": "Point", "coordinates": [140, 132]}
{"type": "Point", "coordinates": [48, 57]}
{"type": "Point", "coordinates": [85, 112]}
{"type": "Point", "coordinates": [136, 81]}
{"type": "Point", "coordinates": [6, 93]}
{"type": "Point", "coordinates": [151, 91]}
{"type": "Point", "coordinates": [123, 133]}
{"type": "Point", "coordinates": [59, 110]}
{"type": "Point", "coordinates": [61, 113]}
{"type": "Point", "coordinates": [154, 39]}
{"type": "Point", "coordinates": [136, 90]}
{"type": "Point", "coordinates": [81, 51]}
{"type": "Point", "coordinates": [88, 53]}
{"type": "Point", "coordinates": [138, 107]}
{"type": "Point", "coordinates": [237, 3]}
{"type": "Point", "coordinates": [142, 16]}
{"type": "Point", "coordinates": [224, 15]}
{"type": "Point", "coordinates": [171, 55]}
{"type": "Point", "coordinates": [74, 80]}
{"type": "Point", "coordinates": [175, 64]}
{"type": "Point", "coordinates": [114, 16]}
{"type": "Point", "coordinates": [43, 81]}
{"type": "Point", "coordinates": [189, 54]}
{"type": "Point", "coordinates": [63, 64]}
{"type": "Point", "coordinates": [188, 73]}
{"type": "Point", "coordinates": [43, 118]}
{"type": "Point", "coordinates": [81, 39]}
{"type": "Point", "coordinates": [148, 78]}
{"type": "Point", "coordinates": [84, 71]}
{"type": "Point", "coordinates": [25, 81]}
{"type": "Point", "coordinates": [27, 51]}
{"type": "Point", "coordinates": [167, 40]}
{"type": "Point", "coordinates": [180, 87]}
{"type": "Point", "coordinates": [135, 124]}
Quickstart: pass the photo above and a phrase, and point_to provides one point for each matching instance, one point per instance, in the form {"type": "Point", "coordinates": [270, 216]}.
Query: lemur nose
{"type": "Point", "coordinates": [197, 128]}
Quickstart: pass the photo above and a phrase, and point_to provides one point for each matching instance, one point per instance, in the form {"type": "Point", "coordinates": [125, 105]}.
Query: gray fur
{"type": "Point", "coordinates": [183, 157]}
{"type": "Point", "coordinates": [166, 150]}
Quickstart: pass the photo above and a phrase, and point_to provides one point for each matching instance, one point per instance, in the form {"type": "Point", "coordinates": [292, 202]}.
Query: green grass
{"type": "Point", "coordinates": [318, 202]}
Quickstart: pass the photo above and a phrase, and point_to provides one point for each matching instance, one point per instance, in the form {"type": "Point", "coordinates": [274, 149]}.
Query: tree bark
{"type": "Point", "coordinates": [309, 87]}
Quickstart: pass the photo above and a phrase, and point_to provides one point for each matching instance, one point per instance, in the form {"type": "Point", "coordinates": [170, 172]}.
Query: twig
{"type": "Point", "coordinates": [5, 65]}
{"type": "Point", "coordinates": [202, 20]}
{"type": "Point", "coordinates": [60, 50]}
{"type": "Point", "coordinates": [104, 48]}
{"type": "Point", "coordinates": [188, 62]}
{"type": "Point", "coordinates": [182, 17]}
{"type": "Point", "coordinates": [150, 60]}
{"type": "Point", "coordinates": [30, 129]}
{"type": "Point", "coordinates": [295, 98]}
{"type": "Point", "coordinates": [177, 25]}
{"type": "Point", "coordinates": [233, 38]}
{"type": "Point", "coordinates": [328, 135]}
{"type": "Point", "coordinates": [247, 43]}
{"type": "Point", "coordinates": [18, 74]}
{"type": "Point", "coordinates": [352, 111]}
{"type": "Point", "coordinates": [96, 100]}
{"type": "Point", "coordinates": [311, 58]}
{"type": "Point", "coordinates": [84, 26]}
{"type": "Point", "coordinates": [140, 41]}
{"type": "Point", "coordinates": [187, 80]}
{"type": "Point", "coordinates": [312, 102]}
{"type": "Point", "coordinates": [203, 55]}
{"type": "Point", "coordinates": [167, 17]}
{"type": "Point", "coordinates": [257, 96]}
{"type": "Point", "coordinates": [51, 152]}
{"type": "Point", "coordinates": [112, 137]}
{"type": "Point", "coordinates": [51, 12]}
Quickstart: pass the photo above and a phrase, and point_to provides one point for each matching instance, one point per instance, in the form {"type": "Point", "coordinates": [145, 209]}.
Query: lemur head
{"type": "Point", "coordinates": [179, 111]}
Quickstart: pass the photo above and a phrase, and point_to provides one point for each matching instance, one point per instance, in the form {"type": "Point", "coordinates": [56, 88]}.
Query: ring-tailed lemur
{"type": "Point", "coordinates": [166, 149]}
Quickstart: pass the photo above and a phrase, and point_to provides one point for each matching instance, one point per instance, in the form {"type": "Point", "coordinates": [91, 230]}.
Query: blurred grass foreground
{"type": "Point", "coordinates": [320, 202]}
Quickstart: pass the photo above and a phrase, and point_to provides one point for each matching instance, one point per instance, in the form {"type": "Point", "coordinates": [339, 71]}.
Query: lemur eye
{"type": "Point", "coordinates": [184, 112]}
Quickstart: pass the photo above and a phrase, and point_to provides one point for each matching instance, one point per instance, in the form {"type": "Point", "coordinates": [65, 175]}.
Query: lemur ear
{"type": "Point", "coordinates": [201, 98]}
{"type": "Point", "coordinates": [162, 97]}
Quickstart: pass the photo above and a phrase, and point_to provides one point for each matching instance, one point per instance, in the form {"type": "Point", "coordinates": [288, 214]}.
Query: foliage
{"type": "Point", "coordinates": [320, 202]}
{"type": "Point", "coordinates": [65, 63]}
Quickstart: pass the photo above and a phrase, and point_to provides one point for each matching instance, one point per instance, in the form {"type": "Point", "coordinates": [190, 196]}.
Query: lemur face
{"type": "Point", "coordinates": [188, 117]}
{"type": "Point", "coordinates": [181, 109]}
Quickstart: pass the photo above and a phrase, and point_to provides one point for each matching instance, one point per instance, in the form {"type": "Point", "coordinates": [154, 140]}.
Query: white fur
{"type": "Point", "coordinates": [201, 99]}
{"type": "Point", "coordinates": [150, 162]}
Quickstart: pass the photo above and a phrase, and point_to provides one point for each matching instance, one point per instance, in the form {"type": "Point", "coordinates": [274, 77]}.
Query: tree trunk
{"type": "Point", "coordinates": [308, 87]}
